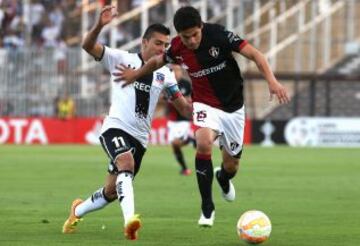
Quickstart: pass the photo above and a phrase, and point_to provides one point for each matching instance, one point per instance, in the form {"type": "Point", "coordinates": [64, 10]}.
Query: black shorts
{"type": "Point", "coordinates": [116, 142]}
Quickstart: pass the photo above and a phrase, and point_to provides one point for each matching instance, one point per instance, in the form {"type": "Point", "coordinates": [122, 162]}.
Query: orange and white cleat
{"type": "Point", "coordinates": [132, 227]}
{"type": "Point", "coordinates": [185, 172]}
{"type": "Point", "coordinates": [71, 223]}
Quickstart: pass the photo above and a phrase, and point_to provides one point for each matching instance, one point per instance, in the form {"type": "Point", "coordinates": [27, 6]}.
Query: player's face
{"type": "Point", "coordinates": [191, 37]}
{"type": "Point", "coordinates": [156, 45]}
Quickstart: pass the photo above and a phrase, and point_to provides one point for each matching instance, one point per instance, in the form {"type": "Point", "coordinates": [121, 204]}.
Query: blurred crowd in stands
{"type": "Point", "coordinates": [40, 40]}
{"type": "Point", "coordinates": [46, 23]}
{"type": "Point", "coordinates": [38, 22]}
{"type": "Point", "coordinates": [57, 23]}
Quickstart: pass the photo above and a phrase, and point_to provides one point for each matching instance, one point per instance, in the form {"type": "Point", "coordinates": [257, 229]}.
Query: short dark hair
{"type": "Point", "coordinates": [187, 17]}
{"type": "Point", "coordinates": [160, 28]}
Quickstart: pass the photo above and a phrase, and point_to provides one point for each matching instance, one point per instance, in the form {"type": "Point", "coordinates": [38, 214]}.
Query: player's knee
{"type": "Point", "coordinates": [203, 146]}
{"type": "Point", "coordinates": [125, 161]}
{"type": "Point", "coordinates": [176, 143]}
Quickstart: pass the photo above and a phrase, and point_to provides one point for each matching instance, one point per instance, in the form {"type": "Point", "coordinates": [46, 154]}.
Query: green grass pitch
{"type": "Point", "coordinates": [312, 197]}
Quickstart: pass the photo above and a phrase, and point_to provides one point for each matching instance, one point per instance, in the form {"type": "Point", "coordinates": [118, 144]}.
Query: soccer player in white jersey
{"type": "Point", "coordinates": [125, 131]}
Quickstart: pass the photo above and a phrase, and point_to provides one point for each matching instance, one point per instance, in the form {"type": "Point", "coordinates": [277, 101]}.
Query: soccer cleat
{"type": "Point", "coordinates": [230, 195]}
{"type": "Point", "coordinates": [206, 222]}
{"type": "Point", "coordinates": [71, 223]}
{"type": "Point", "coordinates": [185, 172]}
{"type": "Point", "coordinates": [132, 227]}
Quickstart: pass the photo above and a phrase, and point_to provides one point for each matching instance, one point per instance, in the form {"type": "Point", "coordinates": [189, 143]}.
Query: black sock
{"type": "Point", "coordinates": [204, 174]}
{"type": "Point", "coordinates": [223, 177]}
{"type": "Point", "coordinates": [180, 158]}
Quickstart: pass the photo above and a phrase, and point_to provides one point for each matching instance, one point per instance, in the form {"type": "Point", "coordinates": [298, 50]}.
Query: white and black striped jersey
{"type": "Point", "coordinates": [133, 106]}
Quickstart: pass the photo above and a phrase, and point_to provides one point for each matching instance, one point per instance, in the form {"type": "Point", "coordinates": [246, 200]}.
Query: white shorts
{"type": "Point", "coordinates": [229, 126]}
{"type": "Point", "coordinates": [179, 130]}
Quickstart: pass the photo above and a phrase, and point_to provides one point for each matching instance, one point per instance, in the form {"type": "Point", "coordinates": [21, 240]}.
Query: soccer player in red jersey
{"type": "Point", "coordinates": [205, 51]}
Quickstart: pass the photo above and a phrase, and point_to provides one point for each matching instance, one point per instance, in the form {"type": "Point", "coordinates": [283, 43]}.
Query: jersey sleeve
{"type": "Point", "coordinates": [111, 57]}
{"type": "Point", "coordinates": [232, 41]}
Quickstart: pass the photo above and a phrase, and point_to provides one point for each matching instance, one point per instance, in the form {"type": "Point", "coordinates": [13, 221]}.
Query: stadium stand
{"type": "Point", "coordinates": [348, 66]}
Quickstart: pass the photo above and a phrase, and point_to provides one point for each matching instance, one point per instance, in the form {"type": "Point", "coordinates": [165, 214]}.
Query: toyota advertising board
{"type": "Point", "coordinates": [82, 130]}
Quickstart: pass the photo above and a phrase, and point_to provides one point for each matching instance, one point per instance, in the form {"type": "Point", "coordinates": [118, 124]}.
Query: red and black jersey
{"type": "Point", "coordinates": [215, 75]}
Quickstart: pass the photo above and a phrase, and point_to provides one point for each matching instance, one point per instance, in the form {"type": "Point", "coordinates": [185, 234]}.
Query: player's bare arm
{"type": "Point", "coordinates": [275, 88]}
{"type": "Point", "coordinates": [89, 44]}
{"type": "Point", "coordinates": [179, 74]}
{"type": "Point", "coordinates": [183, 106]}
{"type": "Point", "coordinates": [129, 75]}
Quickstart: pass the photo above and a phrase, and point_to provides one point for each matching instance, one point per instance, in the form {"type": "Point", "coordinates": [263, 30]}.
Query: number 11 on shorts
{"type": "Point", "coordinates": [118, 141]}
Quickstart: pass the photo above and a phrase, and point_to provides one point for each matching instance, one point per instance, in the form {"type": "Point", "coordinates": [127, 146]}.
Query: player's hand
{"type": "Point", "coordinates": [125, 74]}
{"type": "Point", "coordinates": [107, 13]}
{"type": "Point", "coordinates": [277, 89]}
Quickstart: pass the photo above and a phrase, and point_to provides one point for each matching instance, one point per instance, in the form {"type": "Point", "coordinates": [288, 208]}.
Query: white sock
{"type": "Point", "coordinates": [125, 193]}
{"type": "Point", "coordinates": [94, 202]}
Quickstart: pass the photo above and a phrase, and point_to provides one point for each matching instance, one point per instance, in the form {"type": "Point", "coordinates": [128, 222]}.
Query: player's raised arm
{"type": "Point", "coordinates": [89, 44]}
{"type": "Point", "coordinates": [275, 88]}
{"type": "Point", "coordinates": [129, 75]}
